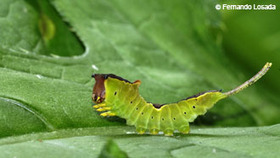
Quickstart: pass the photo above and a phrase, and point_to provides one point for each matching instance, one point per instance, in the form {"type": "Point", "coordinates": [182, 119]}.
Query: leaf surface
{"type": "Point", "coordinates": [202, 142]}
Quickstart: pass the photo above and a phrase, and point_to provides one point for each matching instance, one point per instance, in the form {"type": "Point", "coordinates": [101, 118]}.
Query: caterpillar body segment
{"type": "Point", "coordinates": [115, 96]}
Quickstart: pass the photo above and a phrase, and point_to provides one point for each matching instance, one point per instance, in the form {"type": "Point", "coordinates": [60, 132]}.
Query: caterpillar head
{"type": "Point", "coordinates": [98, 94]}
{"type": "Point", "coordinates": [99, 89]}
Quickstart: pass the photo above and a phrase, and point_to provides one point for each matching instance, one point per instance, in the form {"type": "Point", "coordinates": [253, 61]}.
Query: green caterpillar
{"type": "Point", "coordinates": [115, 96]}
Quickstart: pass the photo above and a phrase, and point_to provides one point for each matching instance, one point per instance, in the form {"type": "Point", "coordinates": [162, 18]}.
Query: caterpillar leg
{"type": "Point", "coordinates": [168, 132]}
{"type": "Point", "coordinates": [104, 109]}
{"type": "Point", "coordinates": [154, 131]}
{"type": "Point", "coordinates": [140, 130]}
{"type": "Point", "coordinates": [185, 129]}
{"type": "Point", "coordinates": [99, 105]}
{"type": "Point", "coordinates": [107, 114]}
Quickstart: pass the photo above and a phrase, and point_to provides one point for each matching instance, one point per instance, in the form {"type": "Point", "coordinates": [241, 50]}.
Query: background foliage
{"type": "Point", "coordinates": [49, 49]}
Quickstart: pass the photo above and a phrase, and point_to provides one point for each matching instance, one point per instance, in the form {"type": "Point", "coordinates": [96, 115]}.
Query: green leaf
{"type": "Point", "coordinates": [111, 150]}
{"type": "Point", "coordinates": [168, 46]}
{"type": "Point", "coordinates": [35, 27]}
{"type": "Point", "coordinates": [49, 49]}
{"type": "Point", "coordinates": [201, 142]}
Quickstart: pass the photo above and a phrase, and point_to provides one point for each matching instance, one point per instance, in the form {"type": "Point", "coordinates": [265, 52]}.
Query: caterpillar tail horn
{"type": "Point", "coordinates": [255, 78]}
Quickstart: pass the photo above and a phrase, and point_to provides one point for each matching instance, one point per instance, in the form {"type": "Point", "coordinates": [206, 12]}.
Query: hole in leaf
{"type": "Point", "coordinates": [57, 37]}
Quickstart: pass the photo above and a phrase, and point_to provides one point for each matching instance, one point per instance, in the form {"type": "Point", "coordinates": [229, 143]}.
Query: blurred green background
{"type": "Point", "coordinates": [250, 37]}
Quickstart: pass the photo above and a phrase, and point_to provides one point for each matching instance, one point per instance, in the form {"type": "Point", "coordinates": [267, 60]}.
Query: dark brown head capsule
{"type": "Point", "coordinates": [98, 94]}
